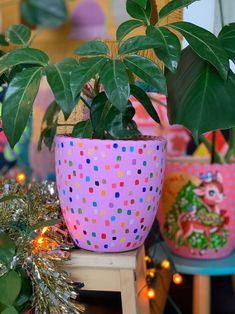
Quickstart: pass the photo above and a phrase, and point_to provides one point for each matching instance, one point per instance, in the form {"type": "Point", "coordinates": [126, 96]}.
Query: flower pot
{"type": "Point", "coordinates": [109, 190]}
{"type": "Point", "coordinates": [197, 211]}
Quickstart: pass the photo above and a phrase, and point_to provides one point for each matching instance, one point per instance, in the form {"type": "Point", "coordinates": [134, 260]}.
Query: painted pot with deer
{"type": "Point", "coordinates": [197, 212]}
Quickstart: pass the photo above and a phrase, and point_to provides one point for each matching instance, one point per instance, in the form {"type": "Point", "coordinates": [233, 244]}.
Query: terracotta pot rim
{"type": "Point", "coordinates": [144, 138]}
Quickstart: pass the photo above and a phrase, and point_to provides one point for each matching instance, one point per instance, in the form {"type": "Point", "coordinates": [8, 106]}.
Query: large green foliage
{"type": "Point", "coordinates": [108, 81]}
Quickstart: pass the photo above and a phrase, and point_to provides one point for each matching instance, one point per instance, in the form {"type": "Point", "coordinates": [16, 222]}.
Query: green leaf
{"type": "Point", "coordinates": [51, 114]}
{"type": "Point", "coordinates": [44, 13]}
{"type": "Point", "coordinates": [138, 43]}
{"type": "Point", "coordinates": [227, 39]}
{"type": "Point", "coordinates": [25, 292]}
{"type": "Point", "coordinates": [10, 286]}
{"type": "Point", "coordinates": [115, 80]}
{"type": "Point", "coordinates": [7, 249]}
{"type": "Point", "coordinates": [18, 34]}
{"type": "Point", "coordinates": [205, 44]}
{"type": "Point", "coordinates": [92, 48]}
{"type": "Point", "coordinates": [58, 77]}
{"type": "Point", "coordinates": [84, 72]}
{"type": "Point", "coordinates": [138, 12]}
{"type": "Point", "coordinates": [83, 129]}
{"type": "Point", "coordinates": [141, 3]}
{"type": "Point", "coordinates": [169, 46]}
{"type": "Point", "coordinates": [198, 98]}
{"type": "Point", "coordinates": [126, 27]}
{"type": "Point", "coordinates": [44, 223]}
{"type": "Point", "coordinates": [173, 6]}
{"type": "Point", "coordinates": [99, 109]}
{"type": "Point", "coordinates": [47, 136]}
{"type": "Point", "coordinates": [10, 310]}
{"type": "Point", "coordinates": [148, 71]}
{"type": "Point", "coordinates": [3, 41]}
{"type": "Point", "coordinates": [144, 99]}
{"type": "Point", "coordinates": [23, 56]}
{"type": "Point", "coordinates": [18, 103]}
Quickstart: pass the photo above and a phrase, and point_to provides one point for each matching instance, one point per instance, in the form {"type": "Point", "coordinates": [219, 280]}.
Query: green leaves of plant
{"type": "Point", "coordinates": [84, 72]}
{"type": "Point", "coordinates": [9, 310]}
{"type": "Point", "coordinates": [143, 98]}
{"type": "Point", "coordinates": [148, 71]}
{"type": "Point", "coordinates": [139, 12]}
{"type": "Point", "coordinates": [198, 98]}
{"type": "Point", "coordinates": [83, 129]}
{"type": "Point", "coordinates": [138, 43]}
{"type": "Point", "coordinates": [116, 83]}
{"type": "Point", "coordinates": [169, 46]}
{"type": "Point", "coordinates": [18, 35]}
{"type": "Point", "coordinates": [141, 3]}
{"type": "Point", "coordinates": [92, 48]}
{"type": "Point", "coordinates": [126, 27]}
{"type": "Point", "coordinates": [227, 39]}
{"type": "Point", "coordinates": [7, 249]}
{"type": "Point", "coordinates": [58, 77]}
{"type": "Point", "coordinates": [173, 6]}
{"type": "Point", "coordinates": [205, 44]}
{"type": "Point", "coordinates": [30, 56]}
{"type": "Point", "coordinates": [10, 286]}
{"type": "Point", "coordinates": [18, 102]}
{"type": "Point", "coordinates": [44, 13]}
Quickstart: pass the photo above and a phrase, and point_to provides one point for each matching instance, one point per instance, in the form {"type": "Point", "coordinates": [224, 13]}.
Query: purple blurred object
{"type": "Point", "coordinates": [88, 21]}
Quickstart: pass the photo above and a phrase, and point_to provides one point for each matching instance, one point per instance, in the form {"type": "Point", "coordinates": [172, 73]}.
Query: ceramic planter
{"type": "Point", "coordinates": [197, 212]}
{"type": "Point", "coordinates": [109, 190]}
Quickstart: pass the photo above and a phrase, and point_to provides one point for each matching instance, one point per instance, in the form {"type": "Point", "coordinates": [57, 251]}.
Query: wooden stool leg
{"type": "Point", "coordinates": [201, 294]}
{"type": "Point", "coordinates": [128, 292]}
{"type": "Point", "coordinates": [141, 284]}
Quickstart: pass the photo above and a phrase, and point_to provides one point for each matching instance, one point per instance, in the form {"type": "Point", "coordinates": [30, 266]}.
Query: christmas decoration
{"type": "Point", "coordinates": [33, 247]}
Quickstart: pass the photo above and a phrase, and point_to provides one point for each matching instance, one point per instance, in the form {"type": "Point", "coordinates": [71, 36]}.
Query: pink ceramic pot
{"type": "Point", "coordinates": [109, 190]}
{"type": "Point", "coordinates": [197, 212]}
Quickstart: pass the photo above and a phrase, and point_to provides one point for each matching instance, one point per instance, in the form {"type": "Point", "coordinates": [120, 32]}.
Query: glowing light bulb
{"type": "Point", "coordinates": [152, 272]}
{"type": "Point", "coordinates": [177, 279]}
{"type": "Point", "coordinates": [40, 240]}
{"type": "Point", "coordinates": [147, 259]}
{"type": "Point", "coordinates": [21, 177]}
{"type": "Point", "coordinates": [165, 264]}
{"type": "Point", "coordinates": [44, 230]}
{"type": "Point", "coordinates": [151, 293]}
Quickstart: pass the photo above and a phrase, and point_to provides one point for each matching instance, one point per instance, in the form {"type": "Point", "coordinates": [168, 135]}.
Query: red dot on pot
{"type": "Point", "coordinates": [103, 236]}
{"type": "Point", "coordinates": [91, 190]}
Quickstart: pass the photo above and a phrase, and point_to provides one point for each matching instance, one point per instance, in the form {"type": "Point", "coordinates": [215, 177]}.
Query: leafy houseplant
{"type": "Point", "coordinates": [125, 213]}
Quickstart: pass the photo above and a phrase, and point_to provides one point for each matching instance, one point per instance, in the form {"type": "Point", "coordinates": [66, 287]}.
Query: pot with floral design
{"type": "Point", "coordinates": [197, 212]}
{"type": "Point", "coordinates": [109, 190]}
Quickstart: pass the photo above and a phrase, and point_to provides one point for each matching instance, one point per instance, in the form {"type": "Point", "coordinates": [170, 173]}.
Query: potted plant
{"type": "Point", "coordinates": [196, 215]}
{"type": "Point", "coordinates": [109, 176]}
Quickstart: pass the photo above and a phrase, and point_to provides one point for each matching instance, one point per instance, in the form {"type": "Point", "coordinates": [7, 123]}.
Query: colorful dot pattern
{"type": "Point", "coordinates": [196, 169]}
{"type": "Point", "coordinates": [109, 190]}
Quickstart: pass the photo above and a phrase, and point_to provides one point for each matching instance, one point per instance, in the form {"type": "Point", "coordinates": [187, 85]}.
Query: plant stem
{"type": "Point", "coordinates": [217, 157]}
{"type": "Point", "coordinates": [231, 145]}
{"type": "Point", "coordinates": [213, 148]}
{"type": "Point", "coordinates": [221, 13]}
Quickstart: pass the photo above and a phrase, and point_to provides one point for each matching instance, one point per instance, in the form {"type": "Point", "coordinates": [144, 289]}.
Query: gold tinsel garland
{"type": "Point", "coordinates": [30, 216]}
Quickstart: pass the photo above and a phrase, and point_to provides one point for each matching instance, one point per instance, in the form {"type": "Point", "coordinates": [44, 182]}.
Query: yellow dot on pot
{"type": "Point", "coordinates": [79, 236]}
{"type": "Point", "coordinates": [123, 239]}
{"type": "Point", "coordinates": [80, 145]}
{"type": "Point", "coordinates": [123, 225]}
{"type": "Point", "coordinates": [66, 182]}
{"type": "Point", "coordinates": [149, 197]}
{"type": "Point", "coordinates": [157, 174]}
{"type": "Point", "coordinates": [149, 152]}
{"type": "Point", "coordinates": [90, 151]}
{"type": "Point", "coordinates": [120, 174]}
{"type": "Point", "coordinates": [102, 212]}
{"type": "Point", "coordinates": [77, 185]}
{"type": "Point", "coordinates": [69, 152]}
{"type": "Point", "coordinates": [103, 193]}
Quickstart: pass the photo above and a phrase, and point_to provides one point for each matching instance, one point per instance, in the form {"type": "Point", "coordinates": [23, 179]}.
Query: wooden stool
{"type": "Point", "coordinates": [124, 272]}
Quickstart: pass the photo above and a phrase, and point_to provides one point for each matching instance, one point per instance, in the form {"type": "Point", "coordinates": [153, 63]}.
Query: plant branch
{"type": "Point", "coordinates": [217, 157]}
{"type": "Point", "coordinates": [221, 13]}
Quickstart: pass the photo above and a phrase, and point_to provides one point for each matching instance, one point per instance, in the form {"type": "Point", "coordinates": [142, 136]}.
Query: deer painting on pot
{"type": "Point", "coordinates": [197, 210]}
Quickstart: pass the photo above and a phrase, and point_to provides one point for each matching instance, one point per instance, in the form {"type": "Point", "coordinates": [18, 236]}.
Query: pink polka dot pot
{"type": "Point", "coordinates": [109, 190]}
{"type": "Point", "coordinates": [197, 211]}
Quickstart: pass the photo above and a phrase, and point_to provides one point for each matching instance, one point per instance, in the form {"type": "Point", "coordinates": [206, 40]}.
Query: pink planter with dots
{"type": "Point", "coordinates": [109, 190]}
